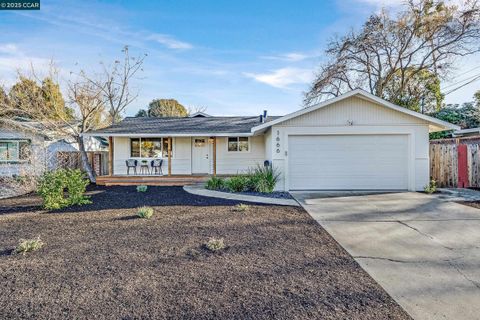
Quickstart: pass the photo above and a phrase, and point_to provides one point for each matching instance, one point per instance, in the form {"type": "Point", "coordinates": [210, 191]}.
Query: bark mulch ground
{"type": "Point", "coordinates": [101, 262]}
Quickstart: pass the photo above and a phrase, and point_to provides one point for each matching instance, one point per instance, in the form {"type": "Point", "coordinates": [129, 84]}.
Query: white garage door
{"type": "Point", "coordinates": [348, 162]}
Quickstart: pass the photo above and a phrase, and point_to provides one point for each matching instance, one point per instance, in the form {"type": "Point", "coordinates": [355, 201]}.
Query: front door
{"type": "Point", "coordinates": [200, 155]}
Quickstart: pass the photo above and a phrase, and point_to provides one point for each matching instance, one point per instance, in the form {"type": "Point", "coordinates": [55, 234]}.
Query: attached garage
{"type": "Point", "coordinates": [348, 162]}
{"type": "Point", "coordinates": [356, 141]}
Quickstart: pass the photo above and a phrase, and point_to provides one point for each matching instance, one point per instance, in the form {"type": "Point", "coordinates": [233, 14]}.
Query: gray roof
{"type": "Point", "coordinates": [197, 125]}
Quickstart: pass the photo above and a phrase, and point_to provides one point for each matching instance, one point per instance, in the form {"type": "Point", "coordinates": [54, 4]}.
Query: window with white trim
{"type": "Point", "coordinates": [14, 150]}
{"type": "Point", "coordinates": [238, 144]}
{"type": "Point", "coordinates": [149, 148]}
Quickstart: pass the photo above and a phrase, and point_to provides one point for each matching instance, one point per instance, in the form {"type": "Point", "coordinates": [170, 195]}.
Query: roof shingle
{"type": "Point", "coordinates": [199, 125]}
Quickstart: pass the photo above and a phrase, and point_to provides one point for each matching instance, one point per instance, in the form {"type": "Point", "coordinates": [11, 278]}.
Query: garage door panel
{"type": "Point", "coordinates": [348, 162]}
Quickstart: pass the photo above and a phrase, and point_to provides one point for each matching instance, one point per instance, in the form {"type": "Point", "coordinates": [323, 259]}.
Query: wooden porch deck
{"type": "Point", "coordinates": [173, 180]}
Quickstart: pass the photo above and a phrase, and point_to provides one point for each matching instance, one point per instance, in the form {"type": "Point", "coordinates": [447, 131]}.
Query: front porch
{"type": "Point", "coordinates": [131, 180]}
{"type": "Point", "coordinates": [184, 160]}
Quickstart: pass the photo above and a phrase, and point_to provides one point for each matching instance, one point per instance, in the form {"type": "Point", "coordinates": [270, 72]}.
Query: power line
{"type": "Point", "coordinates": [460, 81]}
{"type": "Point", "coordinates": [468, 71]}
{"type": "Point", "coordinates": [463, 85]}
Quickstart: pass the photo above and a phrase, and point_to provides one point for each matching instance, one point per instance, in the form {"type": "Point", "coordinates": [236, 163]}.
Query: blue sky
{"type": "Point", "coordinates": [232, 57]}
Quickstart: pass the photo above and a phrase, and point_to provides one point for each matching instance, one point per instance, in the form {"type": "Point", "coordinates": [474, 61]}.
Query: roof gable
{"type": "Point", "coordinates": [331, 104]}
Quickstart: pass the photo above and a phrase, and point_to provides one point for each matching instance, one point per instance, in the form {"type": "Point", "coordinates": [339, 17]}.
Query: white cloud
{"type": "Point", "coordinates": [8, 48]}
{"type": "Point", "coordinates": [169, 42]}
{"type": "Point", "coordinates": [292, 57]}
{"type": "Point", "coordinates": [282, 78]}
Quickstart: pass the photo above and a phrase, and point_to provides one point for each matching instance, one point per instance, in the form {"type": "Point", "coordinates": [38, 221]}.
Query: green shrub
{"type": "Point", "coordinates": [29, 245]}
{"type": "Point", "coordinates": [145, 212]}
{"type": "Point", "coordinates": [215, 183]}
{"type": "Point", "coordinates": [263, 179]}
{"type": "Point", "coordinates": [241, 207]}
{"type": "Point", "coordinates": [53, 184]}
{"type": "Point", "coordinates": [76, 186]}
{"type": "Point", "coordinates": [431, 187]}
{"type": "Point", "coordinates": [215, 244]}
{"type": "Point", "coordinates": [237, 183]}
{"type": "Point", "coordinates": [142, 188]}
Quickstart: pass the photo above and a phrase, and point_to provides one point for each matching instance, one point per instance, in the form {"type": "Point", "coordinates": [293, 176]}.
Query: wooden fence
{"type": "Point", "coordinates": [72, 160]}
{"type": "Point", "coordinates": [451, 162]}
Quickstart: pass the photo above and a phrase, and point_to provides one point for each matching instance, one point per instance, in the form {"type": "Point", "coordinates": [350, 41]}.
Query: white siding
{"type": "Point", "coordinates": [268, 145]}
{"type": "Point", "coordinates": [367, 118]}
{"type": "Point", "coordinates": [227, 162]}
{"type": "Point", "coordinates": [238, 162]}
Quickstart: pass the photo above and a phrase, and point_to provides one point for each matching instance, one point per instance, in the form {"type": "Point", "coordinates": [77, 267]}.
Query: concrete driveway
{"type": "Point", "coordinates": [424, 251]}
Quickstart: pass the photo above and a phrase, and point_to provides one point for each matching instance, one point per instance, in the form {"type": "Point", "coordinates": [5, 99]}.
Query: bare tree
{"type": "Point", "coordinates": [115, 83]}
{"type": "Point", "coordinates": [196, 109]}
{"type": "Point", "coordinates": [392, 56]}
{"type": "Point", "coordinates": [85, 99]}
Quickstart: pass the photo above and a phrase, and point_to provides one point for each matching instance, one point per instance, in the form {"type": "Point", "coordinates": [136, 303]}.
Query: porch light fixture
{"type": "Point", "coordinates": [210, 140]}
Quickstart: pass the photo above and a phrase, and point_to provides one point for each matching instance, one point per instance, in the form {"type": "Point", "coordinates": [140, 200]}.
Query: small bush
{"type": "Point", "coordinates": [431, 187]}
{"type": "Point", "coordinates": [237, 183]}
{"type": "Point", "coordinates": [215, 183]}
{"type": "Point", "coordinates": [215, 244]}
{"type": "Point", "coordinates": [29, 245]}
{"type": "Point", "coordinates": [53, 184]}
{"type": "Point", "coordinates": [263, 179]}
{"type": "Point", "coordinates": [142, 188]}
{"type": "Point", "coordinates": [76, 186]}
{"type": "Point", "coordinates": [242, 207]}
{"type": "Point", "coordinates": [145, 212]}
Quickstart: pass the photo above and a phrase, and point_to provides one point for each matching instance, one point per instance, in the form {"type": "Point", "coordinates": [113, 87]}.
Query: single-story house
{"type": "Point", "coordinates": [355, 141]}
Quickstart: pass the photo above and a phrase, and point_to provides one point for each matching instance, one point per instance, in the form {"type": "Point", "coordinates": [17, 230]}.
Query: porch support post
{"type": "Point", "coordinates": [214, 156]}
{"type": "Point", "coordinates": [110, 156]}
{"type": "Point", "coordinates": [169, 156]}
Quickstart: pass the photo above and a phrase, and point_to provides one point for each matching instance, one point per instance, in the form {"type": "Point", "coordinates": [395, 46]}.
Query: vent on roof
{"type": "Point", "coordinates": [263, 117]}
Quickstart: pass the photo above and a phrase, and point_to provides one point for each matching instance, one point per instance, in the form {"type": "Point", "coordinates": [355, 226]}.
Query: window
{"type": "Point", "coordinates": [149, 147]}
{"type": "Point", "coordinates": [239, 144]}
{"type": "Point", "coordinates": [199, 143]}
{"type": "Point", "coordinates": [13, 151]}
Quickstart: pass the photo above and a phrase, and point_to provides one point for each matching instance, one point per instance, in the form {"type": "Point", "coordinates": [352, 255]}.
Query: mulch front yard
{"type": "Point", "coordinates": [100, 261]}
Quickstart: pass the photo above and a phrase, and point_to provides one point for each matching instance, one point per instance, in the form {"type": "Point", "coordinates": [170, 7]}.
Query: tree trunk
{"type": "Point", "coordinates": [86, 165]}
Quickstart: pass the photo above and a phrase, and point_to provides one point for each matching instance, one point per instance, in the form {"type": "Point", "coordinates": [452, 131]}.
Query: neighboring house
{"type": "Point", "coordinates": [472, 132]}
{"type": "Point", "coordinates": [22, 149]}
{"type": "Point", "coordinates": [92, 144]}
{"type": "Point", "coordinates": [356, 141]}
{"type": "Point", "coordinates": [27, 148]}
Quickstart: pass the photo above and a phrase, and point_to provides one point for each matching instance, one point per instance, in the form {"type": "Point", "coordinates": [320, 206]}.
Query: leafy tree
{"type": "Point", "coordinates": [466, 116]}
{"type": "Point", "coordinates": [421, 94]}
{"type": "Point", "coordinates": [166, 108]}
{"type": "Point", "coordinates": [34, 100]}
{"type": "Point", "coordinates": [26, 98]}
{"type": "Point", "coordinates": [401, 58]}
{"type": "Point", "coordinates": [142, 113]}
{"type": "Point", "coordinates": [54, 102]}
{"type": "Point", "coordinates": [4, 102]}
{"type": "Point", "coordinates": [476, 97]}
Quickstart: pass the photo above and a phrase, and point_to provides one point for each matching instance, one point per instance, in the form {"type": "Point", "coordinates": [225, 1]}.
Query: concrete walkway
{"type": "Point", "coordinates": [423, 250]}
{"type": "Point", "coordinates": [199, 189]}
